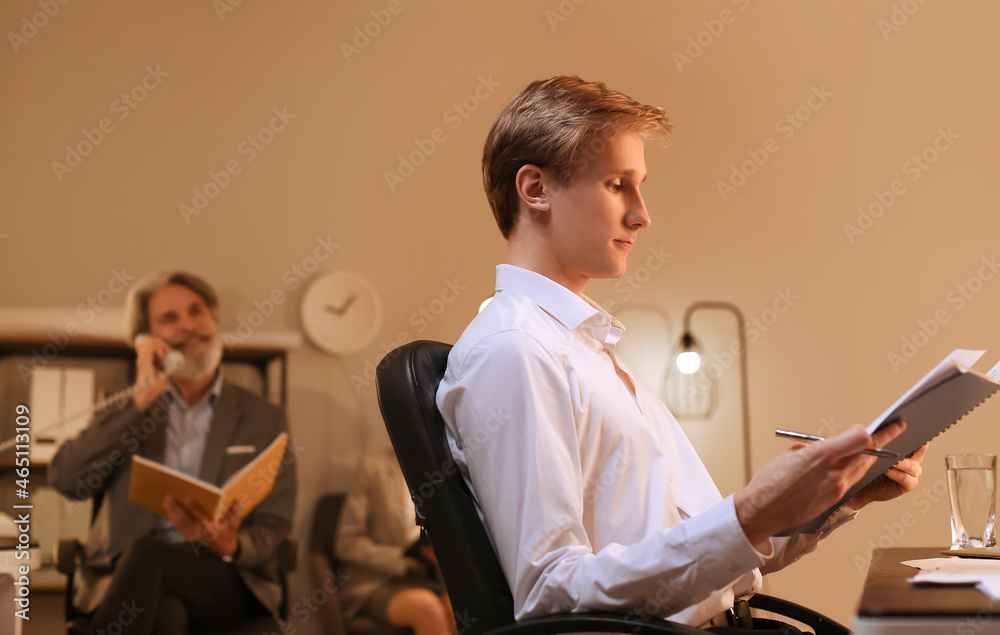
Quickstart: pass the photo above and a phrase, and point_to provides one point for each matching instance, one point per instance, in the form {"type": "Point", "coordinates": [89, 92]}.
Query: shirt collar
{"type": "Point", "coordinates": [567, 307]}
{"type": "Point", "coordinates": [590, 324]}
{"type": "Point", "coordinates": [211, 397]}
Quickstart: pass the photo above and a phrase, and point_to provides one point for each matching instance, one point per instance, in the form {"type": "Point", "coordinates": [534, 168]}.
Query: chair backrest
{"type": "Point", "coordinates": [407, 380]}
{"type": "Point", "coordinates": [324, 527]}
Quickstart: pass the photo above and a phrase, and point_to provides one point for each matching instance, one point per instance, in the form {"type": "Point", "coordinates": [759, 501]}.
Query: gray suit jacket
{"type": "Point", "coordinates": [100, 459]}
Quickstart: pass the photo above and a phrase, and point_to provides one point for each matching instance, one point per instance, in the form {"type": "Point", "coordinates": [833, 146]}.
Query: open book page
{"type": "Point", "coordinates": [255, 480]}
{"type": "Point", "coordinates": [151, 482]}
{"type": "Point", "coordinates": [959, 361]}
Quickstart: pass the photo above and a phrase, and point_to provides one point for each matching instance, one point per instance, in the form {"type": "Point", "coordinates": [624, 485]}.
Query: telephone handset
{"type": "Point", "coordinates": [171, 363]}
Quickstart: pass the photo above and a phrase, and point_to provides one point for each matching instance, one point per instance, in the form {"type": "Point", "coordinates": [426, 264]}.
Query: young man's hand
{"type": "Point", "coordinates": [899, 480]}
{"type": "Point", "coordinates": [801, 483]}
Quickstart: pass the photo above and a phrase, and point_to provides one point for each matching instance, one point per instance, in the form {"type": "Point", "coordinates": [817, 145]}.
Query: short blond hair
{"type": "Point", "coordinates": [557, 123]}
{"type": "Point", "coordinates": [137, 302]}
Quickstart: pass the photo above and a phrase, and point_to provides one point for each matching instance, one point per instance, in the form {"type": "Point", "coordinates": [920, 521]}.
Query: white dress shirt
{"type": "Point", "coordinates": [593, 496]}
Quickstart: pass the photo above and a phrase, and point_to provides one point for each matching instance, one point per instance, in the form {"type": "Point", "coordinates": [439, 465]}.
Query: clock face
{"type": "Point", "coordinates": [341, 312]}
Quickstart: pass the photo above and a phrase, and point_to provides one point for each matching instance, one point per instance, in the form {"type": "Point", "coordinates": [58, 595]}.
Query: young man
{"type": "Point", "coordinates": [187, 571]}
{"type": "Point", "coordinates": [592, 494]}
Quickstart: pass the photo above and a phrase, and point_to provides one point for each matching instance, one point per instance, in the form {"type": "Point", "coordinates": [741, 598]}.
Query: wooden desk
{"type": "Point", "coordinates": [890, 604]}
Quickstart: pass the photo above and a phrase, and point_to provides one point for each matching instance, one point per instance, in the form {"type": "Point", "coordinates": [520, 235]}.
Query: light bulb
{"type": "Point", "coordinates": [688, 362]}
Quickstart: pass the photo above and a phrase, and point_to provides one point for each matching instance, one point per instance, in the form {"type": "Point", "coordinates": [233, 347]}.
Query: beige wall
{"type": "Point", "coordinates": [872, 97]}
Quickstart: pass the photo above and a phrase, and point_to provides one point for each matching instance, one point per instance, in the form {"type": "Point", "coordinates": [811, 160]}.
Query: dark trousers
{"type": "Point", "coordinates": [167, 588]}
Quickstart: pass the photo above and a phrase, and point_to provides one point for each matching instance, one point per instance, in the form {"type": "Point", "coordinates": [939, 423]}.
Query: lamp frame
{"type": "Point", "coordinates": [715, 305]}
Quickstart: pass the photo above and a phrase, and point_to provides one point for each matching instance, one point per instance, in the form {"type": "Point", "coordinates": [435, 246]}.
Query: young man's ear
{"type": "Point", "coordinates": [531, 182]}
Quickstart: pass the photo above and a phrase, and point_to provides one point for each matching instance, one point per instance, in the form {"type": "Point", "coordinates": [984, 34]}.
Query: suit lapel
{"type": "Point", "coordinates": [156, 444]}
{"type": "Point", "coordinates": [118, 530]}
{"type": "Point", "coordinates": [225, 421]}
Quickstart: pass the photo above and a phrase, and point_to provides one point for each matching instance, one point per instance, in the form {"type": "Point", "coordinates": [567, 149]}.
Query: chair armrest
{"type": "Point", "coordinates": [288, 555]}
{"type": "Point", "coordinates": [330, 613]}
{"type": "Point", "coordinates": [820, 623]}
{"type": "Point", "coordinates": [595, 623]}
{"type": "Point", "coordinates": [69, 548]}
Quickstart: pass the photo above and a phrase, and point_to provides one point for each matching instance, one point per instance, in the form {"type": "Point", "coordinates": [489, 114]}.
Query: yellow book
{"type": "Point", "coordinates": [151, 482]}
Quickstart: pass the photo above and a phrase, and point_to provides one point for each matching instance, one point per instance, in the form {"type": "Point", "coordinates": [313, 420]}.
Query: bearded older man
{"type": "Point", "coordinates": [186, 571]}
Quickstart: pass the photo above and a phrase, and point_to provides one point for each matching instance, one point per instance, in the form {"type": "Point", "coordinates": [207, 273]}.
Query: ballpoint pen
{"type": "Point", "coordinates": [885, 454]}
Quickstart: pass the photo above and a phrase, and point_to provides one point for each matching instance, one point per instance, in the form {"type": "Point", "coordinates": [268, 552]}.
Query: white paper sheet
{"type": "Point", "coordinates": [982, 572]}
{"type": "Point", "coordinates": [994, 372]}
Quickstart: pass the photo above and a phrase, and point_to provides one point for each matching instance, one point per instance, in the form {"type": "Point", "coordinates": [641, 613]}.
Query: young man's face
{"type": "Point", "coordinates": [597, 216]}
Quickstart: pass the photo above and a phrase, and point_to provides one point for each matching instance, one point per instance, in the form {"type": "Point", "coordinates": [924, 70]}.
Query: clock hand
{"type": "Point", "coordinates": [343, 308]}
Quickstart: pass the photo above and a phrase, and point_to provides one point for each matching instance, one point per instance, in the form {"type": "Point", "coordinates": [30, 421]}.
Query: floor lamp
{"type": "Point", "coordinates": [688, 361]}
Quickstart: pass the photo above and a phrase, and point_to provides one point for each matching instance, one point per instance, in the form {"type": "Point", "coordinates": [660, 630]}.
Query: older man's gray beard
{"type": "Point", "coordinates": [197, 367]}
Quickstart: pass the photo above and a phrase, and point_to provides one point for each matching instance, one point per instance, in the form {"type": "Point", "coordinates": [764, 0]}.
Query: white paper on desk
{"type": "Point", "coordinates": [994, 372]}
{"type": "Point", "coordinates": [984, 574]}
{"type": "Point", "coordinates": [959, 361]}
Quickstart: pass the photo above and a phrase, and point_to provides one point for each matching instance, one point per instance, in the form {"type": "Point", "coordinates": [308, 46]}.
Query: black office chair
{"type": "Point", "coordinates": [70, 557]}
{"type": "Point", "coordinates": [407, 382]}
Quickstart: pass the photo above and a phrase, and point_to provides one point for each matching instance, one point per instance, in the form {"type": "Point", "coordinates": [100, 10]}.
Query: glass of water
{"type": "Point", "coordinates": [972, 491]}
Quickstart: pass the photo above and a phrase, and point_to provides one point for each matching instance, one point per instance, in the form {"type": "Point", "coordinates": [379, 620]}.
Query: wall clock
{"type": "Point", "coordinates": [341, 312]}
